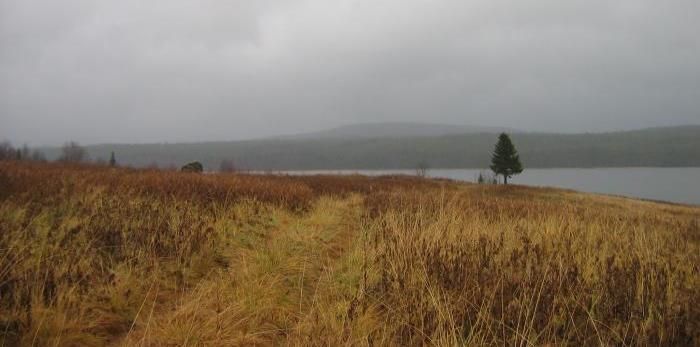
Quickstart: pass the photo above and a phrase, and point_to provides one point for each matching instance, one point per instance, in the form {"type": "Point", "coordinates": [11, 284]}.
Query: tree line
{"type": "Point", "coordinates": [661, 147]}
{"type": "Point", "coordinates": [8, 152]}
{"type": "Point", "coordinates": [71, 152]}
{"type": "Point", "coordinates": [654, 147]}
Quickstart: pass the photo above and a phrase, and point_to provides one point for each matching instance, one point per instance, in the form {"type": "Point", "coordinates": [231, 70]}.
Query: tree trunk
{"type": "Point", "coordinates": [505, 179]}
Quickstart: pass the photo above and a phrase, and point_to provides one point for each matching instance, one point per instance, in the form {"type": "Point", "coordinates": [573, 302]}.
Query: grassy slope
{"type": "Point", "coordinates": [98, 256]}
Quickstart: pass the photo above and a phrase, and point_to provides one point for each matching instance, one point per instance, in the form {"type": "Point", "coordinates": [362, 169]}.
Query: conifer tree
{"type": "Point", "coordinates": [505, 160]}
{"type": "Point", "coordinates": [112, 160]}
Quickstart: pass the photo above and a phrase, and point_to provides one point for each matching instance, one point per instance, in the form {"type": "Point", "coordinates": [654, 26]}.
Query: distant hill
{"type": "Point", "coordinates": [396, 129]}
{"type": "Point", "coordinates": [673, 146]}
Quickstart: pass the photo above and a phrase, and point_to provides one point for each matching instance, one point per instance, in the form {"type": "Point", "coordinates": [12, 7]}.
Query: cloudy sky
{"type": "Point", "coordinates": [184, 70]}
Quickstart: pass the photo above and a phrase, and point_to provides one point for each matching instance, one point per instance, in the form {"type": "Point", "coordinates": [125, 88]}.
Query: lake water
{"type": "Point", "coordinates": [681, 185]}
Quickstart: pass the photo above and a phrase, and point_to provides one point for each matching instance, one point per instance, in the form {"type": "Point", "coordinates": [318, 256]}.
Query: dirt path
{"type": "Point", "coordinates": [270, 290]}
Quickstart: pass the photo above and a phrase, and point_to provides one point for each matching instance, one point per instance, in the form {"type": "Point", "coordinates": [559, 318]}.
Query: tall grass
{"type": "Point", "coordinates": [526, 267]}
{"type": "Point", "coordinates": [100, 256]}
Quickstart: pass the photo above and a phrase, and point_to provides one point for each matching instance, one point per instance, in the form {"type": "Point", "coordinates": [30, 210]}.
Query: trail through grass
{"type": "Point", "coordinates": [268, 287]}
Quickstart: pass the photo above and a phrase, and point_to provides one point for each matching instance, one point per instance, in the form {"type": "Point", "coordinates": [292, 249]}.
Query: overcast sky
{"type": "Point", "coordinates": [173, 70]}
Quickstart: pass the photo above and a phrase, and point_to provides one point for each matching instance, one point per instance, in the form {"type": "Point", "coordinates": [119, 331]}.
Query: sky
{"type": "Point", "coordinates": [104, 71]}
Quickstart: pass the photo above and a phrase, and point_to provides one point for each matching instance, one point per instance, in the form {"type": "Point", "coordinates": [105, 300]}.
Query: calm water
{"type": "Point", "coordinates": [680, 185]}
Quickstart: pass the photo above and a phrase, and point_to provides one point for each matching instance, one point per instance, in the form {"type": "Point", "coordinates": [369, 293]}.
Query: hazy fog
{"type": "Point", "coordinates": [174, 70]}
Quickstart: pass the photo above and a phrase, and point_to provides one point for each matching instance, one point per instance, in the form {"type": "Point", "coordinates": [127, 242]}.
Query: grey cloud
{"type": "Point", "coordinates": [135, 71]}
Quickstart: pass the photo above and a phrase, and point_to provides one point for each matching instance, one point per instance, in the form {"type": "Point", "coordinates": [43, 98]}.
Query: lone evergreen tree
{"type": "Point", "coordinates": [505, 159]}
{"type": "Point", "coordinates": [112, 160]}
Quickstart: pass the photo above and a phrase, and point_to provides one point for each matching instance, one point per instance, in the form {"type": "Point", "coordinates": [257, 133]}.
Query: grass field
{"type": "Point", "coordinates": [103, 256]}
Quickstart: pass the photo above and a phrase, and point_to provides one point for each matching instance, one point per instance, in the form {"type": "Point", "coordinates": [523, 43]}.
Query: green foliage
{"type": "Point", "coordinates": [193, 167]}
{"type": "Point", "coordinates": [505, 160]}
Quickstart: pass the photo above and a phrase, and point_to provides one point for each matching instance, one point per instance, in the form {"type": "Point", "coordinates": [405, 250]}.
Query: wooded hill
{"type": "Point", "coordinates": [661, 147]}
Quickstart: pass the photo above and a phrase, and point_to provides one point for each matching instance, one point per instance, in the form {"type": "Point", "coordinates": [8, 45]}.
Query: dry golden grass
{"type": "Point", "coordinates": [100, 256]}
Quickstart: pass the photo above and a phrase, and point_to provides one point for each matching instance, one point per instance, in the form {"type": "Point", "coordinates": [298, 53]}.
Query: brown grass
{"type": "Point", "coordinates": [100, 256]}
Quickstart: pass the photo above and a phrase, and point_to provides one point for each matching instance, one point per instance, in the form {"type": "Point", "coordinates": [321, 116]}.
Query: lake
{"type": "Point", "coordinates": [681, 185]}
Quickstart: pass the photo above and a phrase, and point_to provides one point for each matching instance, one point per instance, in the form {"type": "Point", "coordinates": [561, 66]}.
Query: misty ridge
{"type": "Point", "coordinates": [407, 145]}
